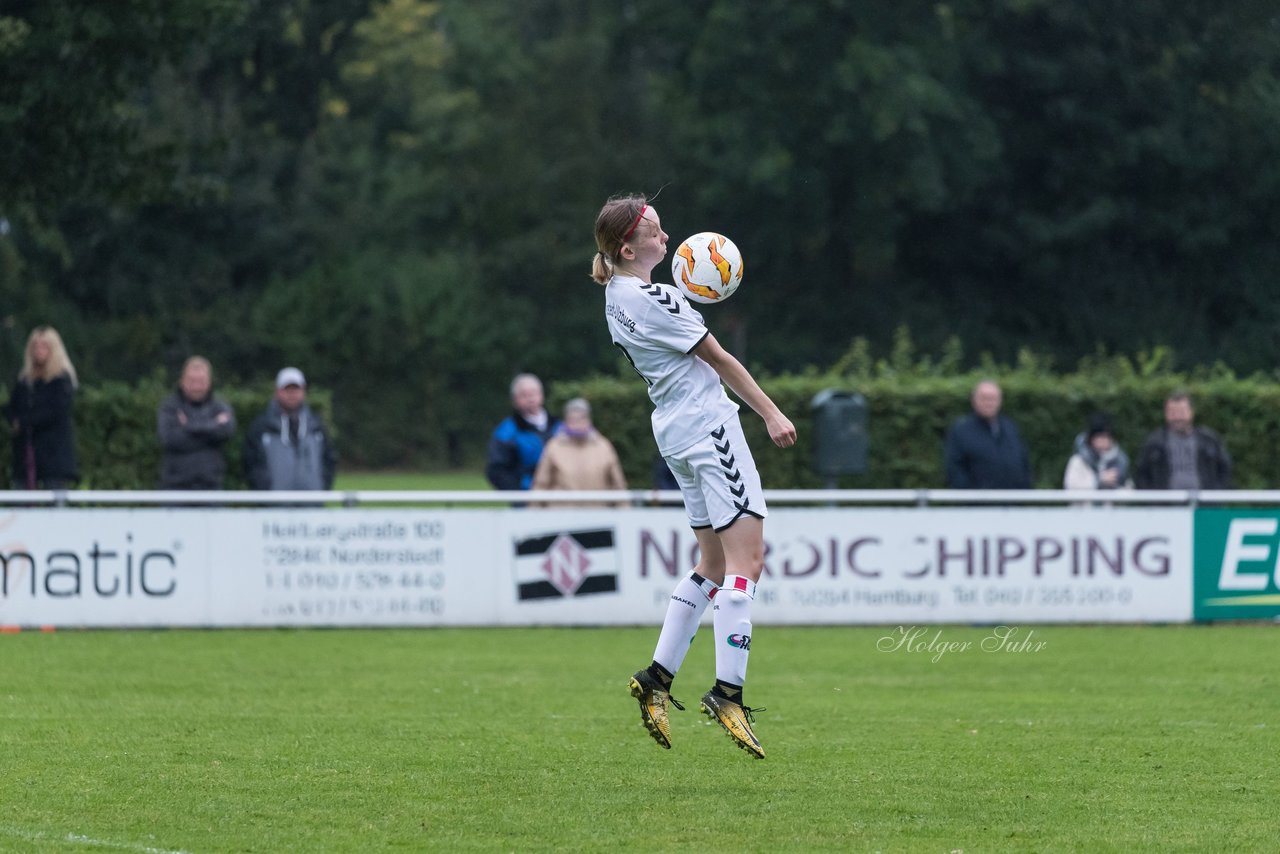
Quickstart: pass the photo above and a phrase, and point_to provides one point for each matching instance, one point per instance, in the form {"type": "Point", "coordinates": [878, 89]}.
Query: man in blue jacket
{"type": "Point", "coordinates": [516, 445]}
{"type": "Point", "coordinates": [984, 449]}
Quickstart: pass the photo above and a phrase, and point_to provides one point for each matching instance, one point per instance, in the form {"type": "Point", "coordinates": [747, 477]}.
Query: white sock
{"type": "Point", "coordinates": [731, 618]}
{"type": "Point", "coordinates": [684, 612]}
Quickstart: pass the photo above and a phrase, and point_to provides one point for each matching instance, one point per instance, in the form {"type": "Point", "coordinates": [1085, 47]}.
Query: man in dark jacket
{"type": "Point", "coordinates": [194, 426]}
{"type": "Point", "coordinates": [984, 449]}
{"type": "Point", "coordinates": [1181, 455]}
{"type": "Point", "coordinates": [287, 446]}
{"type": "Point", "coordinates": [516, 444]}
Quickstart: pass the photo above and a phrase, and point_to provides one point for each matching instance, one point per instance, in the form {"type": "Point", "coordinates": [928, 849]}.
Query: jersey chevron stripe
{"type": "Point", "coordinates": [657, 329]}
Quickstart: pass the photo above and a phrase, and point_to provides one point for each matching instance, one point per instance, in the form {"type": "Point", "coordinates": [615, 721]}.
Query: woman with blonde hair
{"type": "Point", "coordinates": [39, 413]}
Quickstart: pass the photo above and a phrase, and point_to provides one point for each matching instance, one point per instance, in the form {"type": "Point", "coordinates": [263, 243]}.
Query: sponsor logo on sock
{"type": "Point", "coordinates": [742, 642]}
{"type": "Point", "coordinates": [683, 601]}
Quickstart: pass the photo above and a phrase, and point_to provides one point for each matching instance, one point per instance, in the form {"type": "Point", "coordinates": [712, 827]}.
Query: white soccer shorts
{"type": "Point", "coordinates": [718, 478]}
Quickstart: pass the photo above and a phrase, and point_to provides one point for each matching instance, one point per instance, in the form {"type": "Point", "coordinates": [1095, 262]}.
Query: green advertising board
{"type": "Point", "coordinates": [1237, 563]}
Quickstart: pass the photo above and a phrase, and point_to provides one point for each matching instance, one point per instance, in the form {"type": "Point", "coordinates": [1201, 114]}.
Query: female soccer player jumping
{"type": "Point", "coordinates": [698, 432]}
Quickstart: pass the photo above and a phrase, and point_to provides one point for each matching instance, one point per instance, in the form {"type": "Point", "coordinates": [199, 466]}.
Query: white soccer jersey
{"type": "Point", "coordinates": [657, 329]}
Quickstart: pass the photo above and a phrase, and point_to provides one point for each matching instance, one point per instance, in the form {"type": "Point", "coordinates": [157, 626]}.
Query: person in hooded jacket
{"type": "Point", "coordinates": [194, 426]}
{"type": "Point", "coordinates": [1098, 462]}
{"type": "Point", "coordinates": [287, 447]}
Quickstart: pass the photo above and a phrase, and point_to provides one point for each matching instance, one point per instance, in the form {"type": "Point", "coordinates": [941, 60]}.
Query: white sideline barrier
{"type": "Point", "coordinates": [885, 557]}
{"type": "Point", "coordinates": [640, 497]}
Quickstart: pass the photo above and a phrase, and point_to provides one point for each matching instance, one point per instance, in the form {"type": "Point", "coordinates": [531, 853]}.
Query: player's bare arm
{"type": "Point", "coordinates": [739, 379]}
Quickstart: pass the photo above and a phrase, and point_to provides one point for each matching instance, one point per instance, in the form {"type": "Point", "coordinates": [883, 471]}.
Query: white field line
{"type": "Point", "coordinates": [80, 839]}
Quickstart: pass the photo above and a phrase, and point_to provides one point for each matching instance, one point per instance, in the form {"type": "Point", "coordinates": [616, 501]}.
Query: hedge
{"type": "Point", "coordinates": [910, 405]}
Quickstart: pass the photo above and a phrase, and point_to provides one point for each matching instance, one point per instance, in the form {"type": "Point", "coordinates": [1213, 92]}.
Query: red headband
{"type": "Point", "coordinates": [632, 229]}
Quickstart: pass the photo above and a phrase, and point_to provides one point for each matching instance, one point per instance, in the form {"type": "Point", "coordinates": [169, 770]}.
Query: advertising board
{"type": "Point", "coordinates": [497, 566]}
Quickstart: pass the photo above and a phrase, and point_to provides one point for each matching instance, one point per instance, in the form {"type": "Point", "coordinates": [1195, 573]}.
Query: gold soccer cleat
{"type": "Point", "coordinates": [653, 700]}
{"type": "Point", "coordinates": [736, 720]}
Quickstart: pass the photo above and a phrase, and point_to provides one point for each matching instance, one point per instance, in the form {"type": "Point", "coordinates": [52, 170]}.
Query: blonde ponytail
{"type": "Point", "coordinates": [601, 269]}
{"type": "Point", "coordinates": [615, 223]}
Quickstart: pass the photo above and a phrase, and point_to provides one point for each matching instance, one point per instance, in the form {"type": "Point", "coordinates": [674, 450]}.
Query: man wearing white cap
{"type": "Point", "coordinates": [287, 446]}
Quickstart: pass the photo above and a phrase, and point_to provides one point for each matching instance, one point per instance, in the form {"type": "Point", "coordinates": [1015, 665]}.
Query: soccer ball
{"type": "Point", "coordinates": [707, 267]}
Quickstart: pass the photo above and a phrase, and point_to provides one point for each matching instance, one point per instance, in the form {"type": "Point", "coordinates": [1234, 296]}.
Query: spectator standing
{"type": "Point", "coordinates": [1182, 455]}
{"type": "Point", "coordinates": [1098, 462]}
{"type": "Point", "coordinates": [39, 414]}
{"type": "Point", "coordinates": [984, 449]}
{"type": "Point", "coordinates": [287, 446]}
{"type": "Point", "coordinates": [517, 442]}
{"type": "Point", "coordinates": [578, 457]}
{"type": "Point", "coordinates": [194, 426]}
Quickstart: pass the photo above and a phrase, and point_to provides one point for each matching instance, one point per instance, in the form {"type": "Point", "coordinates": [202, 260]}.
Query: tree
{"type": "Point", "coordinates": [1136, 181]}
{"type": "Point", "coordinates": [813, 134]}
{"type": "Point", "coordinates": [69, 72]}
{"type": "Point", "coordinates": [256, 181]}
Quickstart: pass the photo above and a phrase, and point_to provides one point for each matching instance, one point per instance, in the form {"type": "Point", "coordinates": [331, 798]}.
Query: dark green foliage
{"type": "Point", "coordinates": [398, 197]}
{"type": "Point", "coordinates": [69, 76]}
{"type": "Point", "coordinates": [405, 350]}
{"type": "Point", "coordinates": [912, 403]}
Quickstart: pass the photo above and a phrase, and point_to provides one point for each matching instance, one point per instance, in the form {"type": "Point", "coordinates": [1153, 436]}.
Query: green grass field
{"type": "Point", "coordinates": [1105, 739]}
{"type": "Point", "coordinates": [408, 480]}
